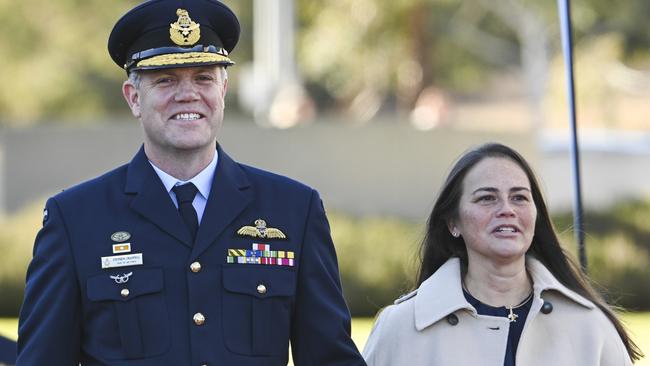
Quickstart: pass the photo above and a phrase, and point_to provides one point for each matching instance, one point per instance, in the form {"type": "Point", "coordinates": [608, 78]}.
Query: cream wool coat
{"type": "Point", "coordinates": [419, 329]}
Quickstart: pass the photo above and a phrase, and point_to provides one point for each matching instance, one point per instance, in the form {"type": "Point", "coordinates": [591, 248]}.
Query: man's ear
{"type": "Point", "coordinates": [132, 96]}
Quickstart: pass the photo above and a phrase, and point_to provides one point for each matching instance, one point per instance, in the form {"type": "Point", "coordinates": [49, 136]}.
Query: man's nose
{"type": "Point", "coordinates": [186, 91]}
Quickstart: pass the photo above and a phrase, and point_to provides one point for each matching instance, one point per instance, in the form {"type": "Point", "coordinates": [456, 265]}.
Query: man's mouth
{"type": "Point", "coordinates": [187, 116]}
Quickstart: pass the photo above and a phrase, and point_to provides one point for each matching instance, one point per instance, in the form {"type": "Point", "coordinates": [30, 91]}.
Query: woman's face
{"type": "Point", "coordinates": [496, 212]}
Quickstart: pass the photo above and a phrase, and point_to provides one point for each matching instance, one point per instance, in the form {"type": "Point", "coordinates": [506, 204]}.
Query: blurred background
{"type": "Point", "coordinates": [368, 101]}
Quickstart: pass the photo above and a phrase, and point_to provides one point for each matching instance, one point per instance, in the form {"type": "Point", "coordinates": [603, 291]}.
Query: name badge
{"type": "Point", "coordinates": [122, 260]}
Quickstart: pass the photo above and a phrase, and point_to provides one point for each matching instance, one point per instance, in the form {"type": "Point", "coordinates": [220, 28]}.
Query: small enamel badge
{"type": "Point", "coordinates": [120, 236]}
{"type": "Point", "coordinates": [121, 248]}
{"type": "Point", "coordinates": [260, 230]}
{"type": "Point", "coordinates": [184, 32]}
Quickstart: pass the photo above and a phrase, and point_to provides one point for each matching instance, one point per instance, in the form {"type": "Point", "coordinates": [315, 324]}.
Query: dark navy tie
{"type": "Point", "coordinates": [185, 195]}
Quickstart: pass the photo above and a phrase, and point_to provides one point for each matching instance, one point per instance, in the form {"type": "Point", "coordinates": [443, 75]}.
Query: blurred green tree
{"type": "Point", "coordinates": [353, 54]}
{"type": "Point", "coordinates": [55, 63]}
{"type": "Point", "coordinates": [373, 51]}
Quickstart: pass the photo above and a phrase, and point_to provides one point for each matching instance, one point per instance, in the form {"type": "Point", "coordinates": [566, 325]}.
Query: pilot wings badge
{"type": "Point", "coordinates": [123, 278]}
{"type": "Point", "coordinates": [261, 231]}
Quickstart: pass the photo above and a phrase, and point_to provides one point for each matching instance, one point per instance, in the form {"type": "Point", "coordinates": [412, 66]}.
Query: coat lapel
{"type": "Point", "coordinates": [440, 295]}
{"type": "Point", "coordinates": [230, 193]}
{"type": "Point", "coordinates": [543, 280]}
{"type": "Point", "coordinates": [431, 306]}
{"type": "Point", "coordinates": [152, 201]}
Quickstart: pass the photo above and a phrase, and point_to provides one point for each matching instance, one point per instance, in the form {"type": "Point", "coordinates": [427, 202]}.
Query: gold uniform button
{"type": "Point", "coordinates": [199, 319]}
{"type": "Point", "coordinates": [125, 292]}
{"type": "Point", "coordinates": [195, 267]}
{"type": "Point", "coordinates": [261, 289]}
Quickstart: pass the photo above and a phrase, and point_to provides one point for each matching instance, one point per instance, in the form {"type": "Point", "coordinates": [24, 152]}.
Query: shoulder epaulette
{"type": "Point", "coordinates": [405, 297]}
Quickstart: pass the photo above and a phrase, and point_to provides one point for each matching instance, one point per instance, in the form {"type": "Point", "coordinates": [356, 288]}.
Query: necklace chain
{"type": "Point", "coordinates": [511, 314]}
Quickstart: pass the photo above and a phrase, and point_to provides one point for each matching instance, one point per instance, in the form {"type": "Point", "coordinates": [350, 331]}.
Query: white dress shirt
{"type": "Point", "coordinates": [202, 181]}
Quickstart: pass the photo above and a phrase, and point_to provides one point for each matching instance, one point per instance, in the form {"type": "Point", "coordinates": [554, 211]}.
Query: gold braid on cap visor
{"type": "Point", "coordinates": [184, 58]}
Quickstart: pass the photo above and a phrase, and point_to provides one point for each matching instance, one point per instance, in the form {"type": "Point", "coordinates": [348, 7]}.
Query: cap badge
{"type": "Point", "coordinates": [260, 230]}
{"type": "Point", "coordinates": [184, 32]}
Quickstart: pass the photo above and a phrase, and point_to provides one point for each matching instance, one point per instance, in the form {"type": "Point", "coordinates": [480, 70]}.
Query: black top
{"type": "Point", "coordinates": [516, 327]}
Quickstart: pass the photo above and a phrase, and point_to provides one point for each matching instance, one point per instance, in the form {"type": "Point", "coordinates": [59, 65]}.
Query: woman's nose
{"type": "Point", "coordinates": [506, 209]}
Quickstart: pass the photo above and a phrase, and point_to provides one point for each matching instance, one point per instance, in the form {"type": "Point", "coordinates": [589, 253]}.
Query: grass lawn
{"type": "Point", "coordinates": [638, 324]}
{"type": "Point", "coordinates": [9, 327]}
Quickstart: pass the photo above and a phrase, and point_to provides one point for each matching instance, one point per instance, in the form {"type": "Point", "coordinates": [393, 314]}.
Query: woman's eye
{"type": "Point", "coordinates": [520, 197]}
{"type": "Point", "coordinates": [485, 198]}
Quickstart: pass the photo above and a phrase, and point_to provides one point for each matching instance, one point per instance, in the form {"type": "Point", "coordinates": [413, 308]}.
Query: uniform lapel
{"type": "Point", "coordinates": [230, 193]}
{"type": "Point", "coordinates": [152, 201]}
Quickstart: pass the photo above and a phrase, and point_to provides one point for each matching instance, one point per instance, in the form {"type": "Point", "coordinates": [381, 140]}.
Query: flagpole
{"type": "Point", "coordinates": [564, 9]}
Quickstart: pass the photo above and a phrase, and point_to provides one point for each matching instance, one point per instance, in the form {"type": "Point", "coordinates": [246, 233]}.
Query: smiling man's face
{"type": "Point", "coordinates": [181, 109]}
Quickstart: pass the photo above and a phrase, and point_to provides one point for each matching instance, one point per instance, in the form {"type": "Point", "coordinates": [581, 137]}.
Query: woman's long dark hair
{"type": "Point", "coordinates": [439, 245]}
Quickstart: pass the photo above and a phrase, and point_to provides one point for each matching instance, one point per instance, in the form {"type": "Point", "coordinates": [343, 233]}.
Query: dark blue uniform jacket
{"type": "Point", "coordinates": [77, 312]}
{"type": "Point", "coordinates": [7, 351]}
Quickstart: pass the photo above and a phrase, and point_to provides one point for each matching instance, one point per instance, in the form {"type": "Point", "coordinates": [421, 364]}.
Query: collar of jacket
{"type": "Point", "coordinates": [431, 307]}
{"type": "Point", "coordinates": [151, 200]}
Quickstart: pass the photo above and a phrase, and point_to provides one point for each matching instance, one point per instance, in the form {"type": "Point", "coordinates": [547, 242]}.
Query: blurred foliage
{"type": "Point", "coordinates": [387, 46]}
{"type": "Point", "coordinates": [394, 49]}
{"type": "Point", "coordinates": [609, 93]}
{"type": "Point", "coordinates": [377, 258]}
{"type": "Point", "coordinates": [55, 62]}
{"type": "Point", "coordinates": [618, 251]}
{"type": "Point", "coordinates": [378, 255]}
{"type": "Point", "coordinates": [17, 233]}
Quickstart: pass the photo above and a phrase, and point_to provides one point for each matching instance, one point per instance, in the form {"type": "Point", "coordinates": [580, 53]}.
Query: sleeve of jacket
{"type": "Point", "coordinates": [613, 351]}
{"type": "Point", "coordinates": [372, 352]}
{"type": "Point", "coordinates": [49, 327]}
{"type": "Point", "coordinates": [321, 324]}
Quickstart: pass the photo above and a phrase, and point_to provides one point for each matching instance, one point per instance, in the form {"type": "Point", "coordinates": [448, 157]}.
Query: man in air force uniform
{"type": "Point", "coordinates": [183, 256]}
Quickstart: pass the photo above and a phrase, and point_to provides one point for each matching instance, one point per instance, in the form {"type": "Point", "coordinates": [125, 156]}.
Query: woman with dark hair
{"type": "Point", "coordinates": [494, 285]}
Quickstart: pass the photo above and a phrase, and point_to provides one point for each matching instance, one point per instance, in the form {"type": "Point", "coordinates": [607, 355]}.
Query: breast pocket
{"type": "Point", "coordinates": [127, 316]}
{"type": "Point", "coordinates": [257, 305]}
